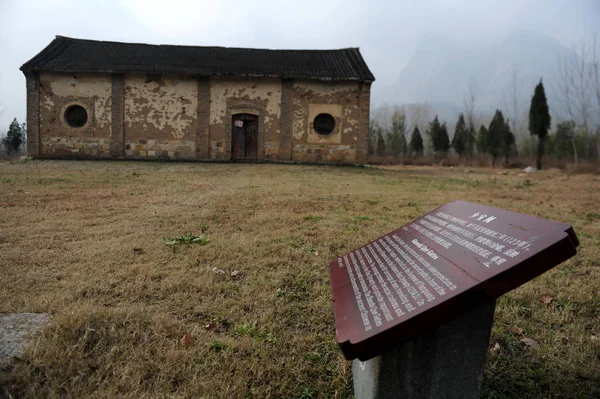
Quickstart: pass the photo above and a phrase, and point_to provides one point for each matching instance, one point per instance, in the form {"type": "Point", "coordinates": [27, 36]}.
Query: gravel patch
{"type": "Point", "coordinates": [15, 329]}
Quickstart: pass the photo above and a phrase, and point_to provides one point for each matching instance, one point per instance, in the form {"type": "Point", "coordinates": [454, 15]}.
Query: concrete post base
{"type": "Point", "coordinates": [448, 362]}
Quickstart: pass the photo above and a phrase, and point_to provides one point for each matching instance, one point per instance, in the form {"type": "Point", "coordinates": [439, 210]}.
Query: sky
{"type": "Point", "coordinates": [387, 31]}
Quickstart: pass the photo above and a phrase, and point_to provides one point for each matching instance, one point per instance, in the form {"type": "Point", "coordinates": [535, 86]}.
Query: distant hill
{"type": "Point", "coordinates": [441, 70]}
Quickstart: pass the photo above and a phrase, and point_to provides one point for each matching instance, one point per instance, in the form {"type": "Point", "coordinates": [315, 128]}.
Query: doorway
{"type": "Point", "coordinates": [244, 136]}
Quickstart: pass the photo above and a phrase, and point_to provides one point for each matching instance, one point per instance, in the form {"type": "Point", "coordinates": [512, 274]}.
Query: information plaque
{"type": "Point", "coordinates": [443, 264]}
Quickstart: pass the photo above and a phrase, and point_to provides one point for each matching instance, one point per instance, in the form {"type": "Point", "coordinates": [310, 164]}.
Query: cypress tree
{"type": "Point", "coordinates": [433, 131]}
{"type": "Point", "coordinates": [14, 137]}
{"type": "Point", "coordinates": [481, 141]}
{"type": "Point", "coordinates": [444, 143]}
{"type": "Point", "coordinates": [470, 140]}
{"type": "Point", "coordinates": [380, 147]}
{"type": "Point", "coordinates": [416, 142]}
{"type": "Point", "coordinates": [508, 142]}
{"type": "Point", "coordinates": [439, 137]}
{"type": "Point", "coordinates": [495, 136]}
{"type": "Point", "coordinates": [461, 138]}
{"type": "Point", "coordinates": [539, 120]}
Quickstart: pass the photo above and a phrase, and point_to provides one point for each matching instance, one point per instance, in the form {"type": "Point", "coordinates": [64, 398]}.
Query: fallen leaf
{"type": "Point", "coordinates": [516, 330]}
{"type": "Point", "coordinates": [217, 271]}
{"type": "Point", "coordinates": [210, 326]}
{"type": "Point", "coordinates": [187, 340]}
{"type": "Point", "coordinates": [137, 251]}
{"type": "Point", "coordinates": [530, 342]}
{"type": "Point", "coordinates": [495, 348]}
{"type": "Point", "coordinates": [593, 338]}
{"type": "Point", "coordinates": [546, 299]}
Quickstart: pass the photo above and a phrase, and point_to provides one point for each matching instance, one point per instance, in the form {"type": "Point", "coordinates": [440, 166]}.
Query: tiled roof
{"type": "Point", "coordinates": [79, 55]}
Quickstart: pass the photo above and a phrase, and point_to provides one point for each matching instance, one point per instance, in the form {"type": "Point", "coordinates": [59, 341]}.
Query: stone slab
{"type": "Point", "coordinates": [436, 268]}
{"type": "Point", "coordinates": [15, 328]}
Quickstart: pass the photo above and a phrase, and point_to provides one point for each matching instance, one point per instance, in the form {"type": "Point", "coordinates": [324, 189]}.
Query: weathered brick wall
{"type": "Point", "coordinates": [178, 117]}
{"type": "Point", "coordinates": [285, 147]}
{"type": "Point", "coordinates": [202, 137]}
{"type": "Point", "coordinates": [258, 96]}
{"type": "Point", "coordinates": [117, 135]}
{"type": "Point", "coordinates": [160, 148]}
{"type": "Point", "coordinates": [33, 103]}
{"type": "Point", "coordinates": [76, 147]}
{"type": "Point", "coordinates": [160, 116]}
{"type": "Point", "coordinates": [58, 91]}
{"type": "Point", "coordinates": [341, 100]}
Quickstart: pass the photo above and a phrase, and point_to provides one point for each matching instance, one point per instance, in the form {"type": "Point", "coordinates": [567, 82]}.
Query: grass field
{"type": "Point", "coordinates": [84, 241]}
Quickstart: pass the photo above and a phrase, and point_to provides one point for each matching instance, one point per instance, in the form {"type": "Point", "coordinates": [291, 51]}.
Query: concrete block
{"type": "Point", "coordinates": [446, 363]}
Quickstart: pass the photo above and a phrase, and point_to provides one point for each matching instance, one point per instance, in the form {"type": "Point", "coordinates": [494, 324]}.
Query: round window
{"type": "Point", "coordinates": [324, 124]}
{"type": "Point", "coordinates": [76, 116]}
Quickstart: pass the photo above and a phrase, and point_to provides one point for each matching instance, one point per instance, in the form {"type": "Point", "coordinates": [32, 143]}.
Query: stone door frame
{"type": "Point", "coordinates": [244, 109]}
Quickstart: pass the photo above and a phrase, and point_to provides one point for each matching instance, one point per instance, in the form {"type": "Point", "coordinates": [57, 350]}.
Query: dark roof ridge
{"type": "Point", "coordinates": [192, 46]}
{"type": "Point", "coordinates": [66, 54]}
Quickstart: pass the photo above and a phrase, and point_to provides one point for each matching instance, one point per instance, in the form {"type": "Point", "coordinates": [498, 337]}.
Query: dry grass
{"type": "Point", "coordinates": [84, 241]}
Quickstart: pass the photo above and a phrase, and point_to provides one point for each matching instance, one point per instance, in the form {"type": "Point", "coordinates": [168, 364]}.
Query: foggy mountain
{"type": "Point", "coordinates": [441, 70]}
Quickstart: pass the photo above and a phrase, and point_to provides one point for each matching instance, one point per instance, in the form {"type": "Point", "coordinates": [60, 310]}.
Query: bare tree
{"type": "Point", "coordinates": [514, 104]}
{"type": "Point", "coordinates": [469, 102]}
{"type": "Point", "coordinates": [575, 91]}
{"type": "Point", "coordinates": [565, 94]}
{"type": "Point", "coordinates": [383, 116]}
{"type": "Point", "coordinates": [583, 93]}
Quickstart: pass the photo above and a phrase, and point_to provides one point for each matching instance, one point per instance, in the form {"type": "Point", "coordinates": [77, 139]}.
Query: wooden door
{"type": "Point", "coordinates": [244, 136]}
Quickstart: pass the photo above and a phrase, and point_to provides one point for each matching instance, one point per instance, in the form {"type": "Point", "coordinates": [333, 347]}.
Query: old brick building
{"type": "Point", "coordinates": [94, 99]}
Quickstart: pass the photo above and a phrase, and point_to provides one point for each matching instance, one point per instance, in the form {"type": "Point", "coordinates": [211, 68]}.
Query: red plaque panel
{"type": "Point", "coordinates": [435, 268]}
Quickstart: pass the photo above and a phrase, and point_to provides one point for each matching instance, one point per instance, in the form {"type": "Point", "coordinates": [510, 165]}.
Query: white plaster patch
{"type": "Point", "coordinates": [78, 85]}
{"type": "Point", "coordinates": [171, 106]}
{"type": "Point", "coordinates": [81, 86]}
{"type": "Point", "coordinates": [48, 103]}
{"type": "Point", "coordinates": [251, 89]}
{"type": "Point", "coordinates": [326, 88]}
{"type": "Point", "coordinates": [299, 116]}
{"type": "Point", "coordinates": [102, 111]}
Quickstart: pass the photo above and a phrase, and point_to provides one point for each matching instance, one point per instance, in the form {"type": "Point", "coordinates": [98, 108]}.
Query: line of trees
{"type": "Point", "coordinates": [496, 140]}
{"type": "Point", "coordinates": [575, 135]}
